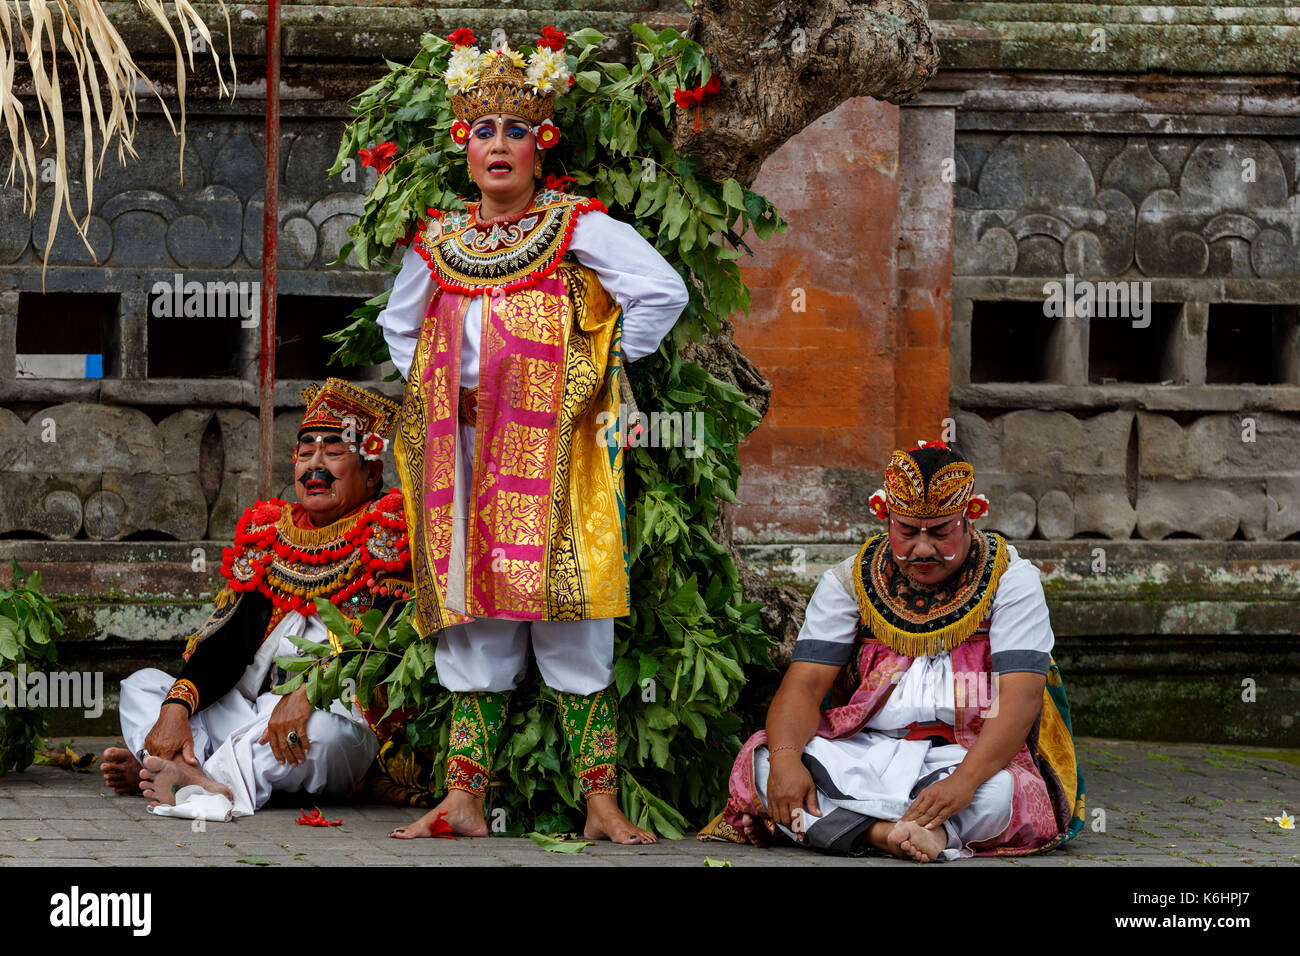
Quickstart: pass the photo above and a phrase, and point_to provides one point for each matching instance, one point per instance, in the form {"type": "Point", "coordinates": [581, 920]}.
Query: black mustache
{"type": "Point", "coordinates": [318, 474]}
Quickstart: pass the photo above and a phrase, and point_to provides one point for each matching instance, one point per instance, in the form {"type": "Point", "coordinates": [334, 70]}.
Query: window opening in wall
{"type": "Point", "coordinates": [1251, 343]}
{"type": "Point", "coordinates": [1120, 352]}
{"type": "Point", "coordinates": [301, 321]}
{"type": "Point", "coordinates": [1009, 341]}
{"type": "Point", "coordinates": [203, 344]}
{"type": "Point", "coordinates": [66, 335]}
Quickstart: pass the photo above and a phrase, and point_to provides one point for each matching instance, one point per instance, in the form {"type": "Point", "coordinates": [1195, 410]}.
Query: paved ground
{"type": "Point", "coordinates": [1163, 804]}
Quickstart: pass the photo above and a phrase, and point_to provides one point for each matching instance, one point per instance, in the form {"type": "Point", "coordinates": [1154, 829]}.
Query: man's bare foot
{"type": "Point", "coordinates": [605, 821]}
{"type": "Point", "coordinates": [916, 842]}
{"type": "Point", "coordinates": [463, 813]}
{"type": "Point", "coordinates": [757, 834]}
{"type": "Point", "coordinates": [121, 771]}
{"type": "Point", "coordinates": [160, 779]}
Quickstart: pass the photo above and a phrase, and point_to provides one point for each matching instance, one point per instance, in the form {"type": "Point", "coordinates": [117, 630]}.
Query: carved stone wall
{"type": "Point", "coordinates": [1097, 421]}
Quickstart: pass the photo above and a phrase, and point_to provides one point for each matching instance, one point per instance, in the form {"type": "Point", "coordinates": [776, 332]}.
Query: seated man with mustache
{"type": "Point", "coordinates": [218, 726]}
{"type": "Point", "coordinates": [955, 740]}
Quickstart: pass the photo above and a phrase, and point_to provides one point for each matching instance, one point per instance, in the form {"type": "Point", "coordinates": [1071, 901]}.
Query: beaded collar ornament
{"type": "Point", "coordinates": [344, 562]}
{"type": "Point", "coordinates": [467, 257]}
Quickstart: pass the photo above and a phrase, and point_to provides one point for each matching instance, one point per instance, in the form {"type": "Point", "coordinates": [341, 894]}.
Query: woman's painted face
{"type": "Point", "coordinates": [501, 149]}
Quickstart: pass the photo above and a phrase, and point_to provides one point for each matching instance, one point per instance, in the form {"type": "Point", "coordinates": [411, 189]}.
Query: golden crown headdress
{"type": "Point", "coordinates": [909, 495]}
{"type": "Point", "coordinates": [346, 407]}
{"type": "Point", "coordinates": [500, 81]}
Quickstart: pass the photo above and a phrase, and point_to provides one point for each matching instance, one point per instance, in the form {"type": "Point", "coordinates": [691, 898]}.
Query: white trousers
{"type": "Point", "coordinates": [226, 735]}
{"type": "Point", "coordinates": [576, 657]}
{"type": "Point", "coordinates": [878, 776]}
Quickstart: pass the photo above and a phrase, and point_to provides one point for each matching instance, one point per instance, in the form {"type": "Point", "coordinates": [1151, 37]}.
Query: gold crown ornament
{"type": "Point", "coordinates": [340, 405]}
{"type": "Point", "coordinates": [907, 494]}
{"type": "Point", "coordinates": [501, 81]}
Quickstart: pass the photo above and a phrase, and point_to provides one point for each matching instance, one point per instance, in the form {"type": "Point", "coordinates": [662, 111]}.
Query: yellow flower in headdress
{"type": "Point", "coordinates": [547, 71]}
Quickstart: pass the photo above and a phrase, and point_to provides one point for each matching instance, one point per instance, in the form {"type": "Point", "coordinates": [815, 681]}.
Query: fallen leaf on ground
{"type": "Point", "coordinates": [552, 845]}
{"type": "Point", "coordinates": [257, 861]}
{"type": "Point", "coordinates": [710, 861]}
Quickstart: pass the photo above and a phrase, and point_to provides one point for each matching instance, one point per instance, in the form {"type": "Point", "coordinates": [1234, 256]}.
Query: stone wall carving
{"type": "Point", "coordinates": [1103, 205]}
{"type": "Point", "coordinates": [144, 217]}
{"type": "Point", "coordinates": [1125, 473]}
{"type": "Point", "coordinates": [105, 472]}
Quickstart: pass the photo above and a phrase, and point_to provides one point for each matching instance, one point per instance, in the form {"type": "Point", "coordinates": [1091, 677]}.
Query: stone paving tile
{"type": "Point", "coordinates": [1149, 804]}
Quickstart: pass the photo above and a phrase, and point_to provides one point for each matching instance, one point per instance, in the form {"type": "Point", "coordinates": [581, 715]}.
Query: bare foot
{"type": "Point", "coordinates": [605, 821]}
{"type": "Point", "coordinates": [161, 779]}
{"type": "Point", "coordinates": [757, 834]}
{"type": "Point", "coordinates": [916, 842]}
{"type": "Point", "coordinates": [121, 771]}
{"type": "Point", "coordinates": [463, 813]}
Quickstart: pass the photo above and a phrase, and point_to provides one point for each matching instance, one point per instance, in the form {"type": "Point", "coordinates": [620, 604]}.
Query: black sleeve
{"type": "Point", "coordinates": [221, 658]}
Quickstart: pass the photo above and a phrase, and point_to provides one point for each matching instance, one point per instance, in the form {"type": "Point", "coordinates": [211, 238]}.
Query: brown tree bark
{"type": "Point", "coordinates": [783, 64]}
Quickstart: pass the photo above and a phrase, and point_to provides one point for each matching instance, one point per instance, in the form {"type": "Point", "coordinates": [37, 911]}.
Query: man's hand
{"type": "Point", "coordinates": [171, 737]}
{"type": "Point", "coordinates": [790, 787]}
{"type": "Point", "coordinates": [289, 716]}
{"type": "Point", "coordinates": [941, 800]}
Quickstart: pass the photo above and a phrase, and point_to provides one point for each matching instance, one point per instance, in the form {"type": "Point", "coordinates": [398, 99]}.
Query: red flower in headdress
{"type": "Point", "coordinates": [697, 95]}
{"type": "Point", "coordinates": [460, 133]}
{"type": "Point", "coordinates": [938, 443]}
{"type": "Point", "coordinates": [552, 39]}
{"type": "Point", "coordinates": [462, 37]}
{"type": "Point", "coordinates": [381, 157]}
{"type": "Point", "coordinates": [558, 182]}
{"type": "Point", "coordinates": [547, 133]}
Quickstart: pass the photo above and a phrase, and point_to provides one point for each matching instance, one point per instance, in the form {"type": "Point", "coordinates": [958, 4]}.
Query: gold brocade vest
{"type": "Point", "coordinates": [914, 620]}
{"type": "Point", "coordinates": [543, 537]}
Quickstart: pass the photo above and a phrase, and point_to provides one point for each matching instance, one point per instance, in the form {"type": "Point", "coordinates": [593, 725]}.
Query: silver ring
{"type": "Point", "coordinates": [293, 737]}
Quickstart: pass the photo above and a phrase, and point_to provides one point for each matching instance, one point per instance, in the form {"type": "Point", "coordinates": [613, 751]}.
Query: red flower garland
{"type": "Point", "coordinates": [697, 95]}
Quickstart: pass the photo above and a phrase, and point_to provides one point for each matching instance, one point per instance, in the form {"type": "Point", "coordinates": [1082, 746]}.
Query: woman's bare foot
{"type": "Point", "coordinates": [462, 811]}
{"type": "Point", "coordinates": [916, 842]}
{"type": "Point", "coordinates": [161, 779]}
{"type": "Point", "coordinates": [121, 771]}
{"type": "Point", "coordinates": [605, 821]}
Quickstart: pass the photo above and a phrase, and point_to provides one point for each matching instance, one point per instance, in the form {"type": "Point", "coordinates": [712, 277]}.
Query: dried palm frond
{"type": "Point", "coordinates": [96, 49]}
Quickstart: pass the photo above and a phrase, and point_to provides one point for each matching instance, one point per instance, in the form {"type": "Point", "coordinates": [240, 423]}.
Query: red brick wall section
{"type": "Point", "coordinates": [817, 456]}
{"type": "Point", "coordinates": [924, 275]}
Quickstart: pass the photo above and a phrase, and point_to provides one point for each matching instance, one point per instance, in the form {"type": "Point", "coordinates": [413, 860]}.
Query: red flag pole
{"type": "Point", "coordinates": [270, 218]}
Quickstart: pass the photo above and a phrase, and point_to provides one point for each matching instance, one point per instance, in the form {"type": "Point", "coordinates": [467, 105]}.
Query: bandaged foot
{"type": "Point", "coordinates": [160, 779]}
{"type": "Point", "coordinates": [121, 771]}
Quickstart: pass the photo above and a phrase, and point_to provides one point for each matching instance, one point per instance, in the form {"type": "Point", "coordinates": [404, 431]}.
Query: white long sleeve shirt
{"type": "Point", "coordinates": [650, 292]}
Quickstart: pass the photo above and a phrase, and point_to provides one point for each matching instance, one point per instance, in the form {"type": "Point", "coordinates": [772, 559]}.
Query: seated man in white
{"type": "Point", "coordinates": [950, 743]}
{"type": "Point", "coordinates": [218, 727]}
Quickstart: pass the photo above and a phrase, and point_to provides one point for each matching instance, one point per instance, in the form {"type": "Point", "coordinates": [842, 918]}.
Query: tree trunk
{"type": "Point", "coordinates": [784, 63]}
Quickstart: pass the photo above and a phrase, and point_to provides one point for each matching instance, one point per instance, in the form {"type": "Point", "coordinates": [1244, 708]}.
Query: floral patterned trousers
{"type": "Point", "coordinates": [589, 722]}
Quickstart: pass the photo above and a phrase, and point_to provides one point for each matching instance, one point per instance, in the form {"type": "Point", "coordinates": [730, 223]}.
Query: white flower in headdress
{"type": "Point", "coordinates": [548, 71]}
{"type": "Point", "coordinates": [463, 69]}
